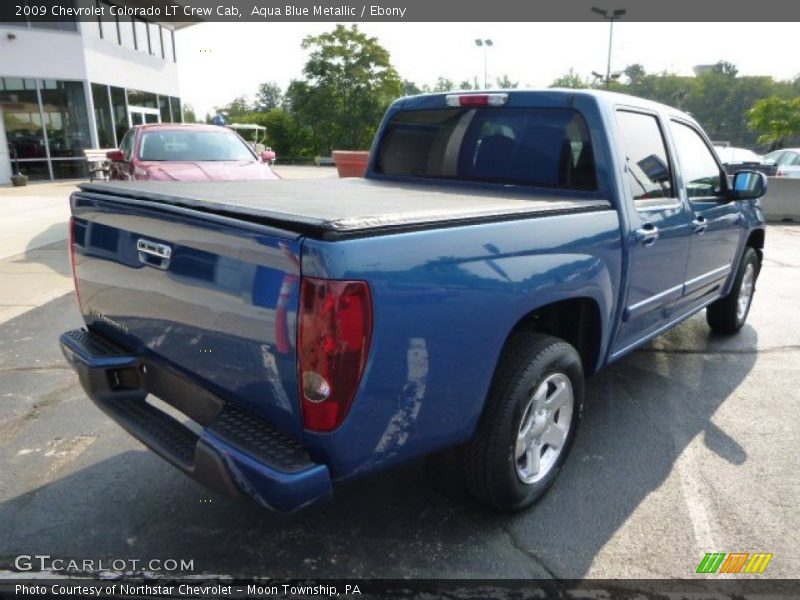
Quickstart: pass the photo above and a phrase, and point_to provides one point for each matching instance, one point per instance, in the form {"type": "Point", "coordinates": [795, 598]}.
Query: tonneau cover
{"type": "Point", "coordinates": [335, 208]}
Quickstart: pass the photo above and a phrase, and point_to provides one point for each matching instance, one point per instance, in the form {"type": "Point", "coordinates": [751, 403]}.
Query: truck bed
{"type": "Point", "coordinates": [342, 208]}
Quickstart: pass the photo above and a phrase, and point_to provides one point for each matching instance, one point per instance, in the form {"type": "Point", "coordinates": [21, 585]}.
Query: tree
{"type": "Point", "coordinates": [718, 98]}
{"type": "Point", "coordinates": [570, 79]}
{"type": "Point", "coordinates": [189, 115]}
{"type": "Point", "coordinates": [348, 83]}
{"type": "Point", "coordinates": [443, 84]}
{"type": "Point", "coordinates": [776, 118]}
{"type": "Point", "coordinates": [466, 85]}
{"type": "Point", "coordinates": [410, 88]}
{"type": "Point", "coordinates": [284, 134]}
{"type": "Point", "coordinates": [505, 83]}
{"type": "Point", "coordinates": [237, 107]}
{"type": "Point", "coordinates": [725, 68]}
{"type": "Point", "coordinates": [268, 96]}
{"type": "Point", "coordinates": [635, 73]}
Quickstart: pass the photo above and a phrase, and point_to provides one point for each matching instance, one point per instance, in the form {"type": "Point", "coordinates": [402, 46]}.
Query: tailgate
{"type": "Point", "coordinates": [212, 297]}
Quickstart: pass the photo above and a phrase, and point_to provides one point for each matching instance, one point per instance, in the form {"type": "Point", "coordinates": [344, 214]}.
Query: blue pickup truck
{"type": "Point", "coordinates": [272, 338]}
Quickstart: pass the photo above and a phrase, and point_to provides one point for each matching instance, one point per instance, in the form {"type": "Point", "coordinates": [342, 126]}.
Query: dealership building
{"type": "Point", "coordinates": [70, 85]}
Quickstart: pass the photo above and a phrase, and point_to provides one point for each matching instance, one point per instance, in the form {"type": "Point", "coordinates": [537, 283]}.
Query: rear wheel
{"type": "Point", "coordinates": [528, 424]}
{"type": "Point", "coordinates": [728, 314]}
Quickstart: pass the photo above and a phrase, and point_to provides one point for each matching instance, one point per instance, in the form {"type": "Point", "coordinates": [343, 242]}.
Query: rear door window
{"type": "Point", "coordinates": [544, 147]}
{"type": "Point", "coordinates": [646, 161]}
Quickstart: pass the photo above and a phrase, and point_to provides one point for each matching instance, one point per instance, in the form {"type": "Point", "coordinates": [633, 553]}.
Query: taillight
{"type": "Point", "coordinates": [72, 260]}
{"type": "Point", "coordinates": [334, 331]}
{"type": "Point", "coordinates": [476, 100]}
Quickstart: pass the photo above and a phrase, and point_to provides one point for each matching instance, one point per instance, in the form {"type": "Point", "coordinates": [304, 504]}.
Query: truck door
{"type": "Point", "coordinates": [660, 228]}
{"type": "Point", "coordinates": [717, 226]}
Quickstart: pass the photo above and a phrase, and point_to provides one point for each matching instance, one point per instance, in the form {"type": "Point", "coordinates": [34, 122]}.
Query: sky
{"type": "Point", "coordinates": [220, 61]}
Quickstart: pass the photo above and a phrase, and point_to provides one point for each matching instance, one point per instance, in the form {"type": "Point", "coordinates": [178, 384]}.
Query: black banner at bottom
{"type": "Point", "coordinates": [416, 589]}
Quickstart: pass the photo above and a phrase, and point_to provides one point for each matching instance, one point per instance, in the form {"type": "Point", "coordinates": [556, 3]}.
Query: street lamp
{"type": "Point", "coordinates": [615, 75]}
{"type": "Point", "coordinates": [610, 16]}
{"type": "Point", "coordinates": [485, 44]}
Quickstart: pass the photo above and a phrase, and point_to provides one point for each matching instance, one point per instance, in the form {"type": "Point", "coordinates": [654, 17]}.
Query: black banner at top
{"type": "Point", "coordinates": [235, 11]}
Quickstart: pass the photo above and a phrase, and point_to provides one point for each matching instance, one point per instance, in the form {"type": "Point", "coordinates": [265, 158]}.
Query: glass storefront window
{"type": "Point", "coordinates": [120, 110]}
{"type": "Point", "coordinates": [163, 108]}
{"type": "Point", "coordinates": [22, 118]}
{"type": "Point", "coordinates": [65, 118]}
{"type": "Point", "coordinates": [36, 170]}
{"type": "Point", "coordinates": [102, 116]}
{"type": "Point", "coordinates": [48, 127]}
{"type": "Point", "coordinates": [69, 169]}
{"type": "Point", "coordinates": [145, 99]}
{"type": "Point", "coordinates": [177, 115]}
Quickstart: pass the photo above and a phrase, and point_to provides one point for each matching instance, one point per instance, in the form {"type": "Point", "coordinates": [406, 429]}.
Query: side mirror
{"type": "Point", "coordinates": [748, 185]}
{"type": "Point", "coordinates": [268, 156]}
{"type": "Point", "coordinates": [115, 155]}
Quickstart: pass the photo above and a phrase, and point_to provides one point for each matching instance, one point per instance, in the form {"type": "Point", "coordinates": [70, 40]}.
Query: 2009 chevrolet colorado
{"type": "Point", "coordinates": [503, 246]}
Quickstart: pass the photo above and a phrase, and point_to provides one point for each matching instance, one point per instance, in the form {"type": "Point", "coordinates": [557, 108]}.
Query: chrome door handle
{"type": "Point", "coordinates": [647, 234]}
{"type": "Point", "coordinates": [699, 225]}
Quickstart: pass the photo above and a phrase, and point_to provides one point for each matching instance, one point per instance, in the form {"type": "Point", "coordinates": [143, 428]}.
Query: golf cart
{"type": "Point", "coordinates": [255, 135]}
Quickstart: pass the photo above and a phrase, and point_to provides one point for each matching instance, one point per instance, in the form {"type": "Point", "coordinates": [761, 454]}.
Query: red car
{"type": "Point", "coordinates": [174, 152]}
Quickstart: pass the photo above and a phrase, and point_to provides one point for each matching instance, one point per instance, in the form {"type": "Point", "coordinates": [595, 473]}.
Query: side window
{"type": "Point", "coordinates": [701, 173]}
{"type": "Point", "coordinates": [127, 144]}
{"type": "Point", "coordinates": [646, 161]}
{"type": "Point", "coordinates": [774, 157]}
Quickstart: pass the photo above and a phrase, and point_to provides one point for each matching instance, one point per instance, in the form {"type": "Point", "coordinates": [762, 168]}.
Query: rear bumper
{"type": "Point", "coordinates": [233, 452]}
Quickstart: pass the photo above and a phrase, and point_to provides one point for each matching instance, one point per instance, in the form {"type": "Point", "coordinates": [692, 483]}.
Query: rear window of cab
{"type": "Point", "coordinates": [543, 147]}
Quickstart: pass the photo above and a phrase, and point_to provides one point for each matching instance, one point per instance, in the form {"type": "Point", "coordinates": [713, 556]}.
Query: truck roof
{"type": "Point", "coordinates": [339, 208]}
{"type": "Point", "coordinates": [548, 96]}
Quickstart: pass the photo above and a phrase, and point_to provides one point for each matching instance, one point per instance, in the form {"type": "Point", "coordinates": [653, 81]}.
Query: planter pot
{"type": "Point", "coordinates": [19, 180]}
{"type": "Point", "coordinates": [351, 163]}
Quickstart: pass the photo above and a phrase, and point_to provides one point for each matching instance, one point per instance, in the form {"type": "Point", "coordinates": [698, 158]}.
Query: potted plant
{"type": "Point", "coordinates": [17, 179]}
{"type": "Point", "coordinates": [351, 163]}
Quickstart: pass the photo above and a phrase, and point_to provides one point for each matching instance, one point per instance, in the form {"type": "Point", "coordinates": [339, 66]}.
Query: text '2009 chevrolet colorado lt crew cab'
{"type": "Point", "coordinates": [272, 338]}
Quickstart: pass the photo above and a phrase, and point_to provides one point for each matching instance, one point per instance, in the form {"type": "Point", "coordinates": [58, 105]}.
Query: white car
{"type": "Point", "coordinates": [787, 161]}
{"type": "Point", "coordinates": [741, 159]}
{"type": "Point", "coordinates": [731, 155]}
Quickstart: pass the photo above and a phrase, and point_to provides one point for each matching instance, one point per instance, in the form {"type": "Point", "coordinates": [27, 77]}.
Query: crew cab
{"type": "Point", "coordinates": [273, 338]}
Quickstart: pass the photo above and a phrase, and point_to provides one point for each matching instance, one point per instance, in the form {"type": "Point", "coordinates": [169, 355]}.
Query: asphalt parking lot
{"type": "Point", "coordinates": [689, 445]}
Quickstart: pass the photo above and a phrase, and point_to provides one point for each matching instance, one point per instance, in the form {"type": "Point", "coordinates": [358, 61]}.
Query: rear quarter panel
{"type": "Point", "coordinates": [445, 301]}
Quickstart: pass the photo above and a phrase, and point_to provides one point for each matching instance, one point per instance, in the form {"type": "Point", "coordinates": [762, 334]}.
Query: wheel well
{"type": "Point", "coordinates": [756, 241]}
{"type": "Point", "coordinates": [576, 321]}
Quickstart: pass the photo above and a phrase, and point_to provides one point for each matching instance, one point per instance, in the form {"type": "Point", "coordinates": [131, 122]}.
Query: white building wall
{"type": "Point", "coordinates": [41, 54]}
{"type": "Point", "coordinates": [122, 67]}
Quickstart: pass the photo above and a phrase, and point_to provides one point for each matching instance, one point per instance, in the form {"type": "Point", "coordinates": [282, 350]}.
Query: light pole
{"type": "Point", "coordinates": [610, 16]}
{"type": "Point", "coordinates": [485, 44]}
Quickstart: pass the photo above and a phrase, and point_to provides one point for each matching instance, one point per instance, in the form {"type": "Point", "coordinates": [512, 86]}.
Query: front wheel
{"type": "Point", "coordinates": [528, 424]}
{"type": "Point", "coordinates": [728, 314]}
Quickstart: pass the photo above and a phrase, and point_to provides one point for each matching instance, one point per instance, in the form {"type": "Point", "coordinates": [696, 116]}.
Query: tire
{"type": "Point", "coordinates": [497, 470]}
{"type": "Point", "coordinates": [728, 314]}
